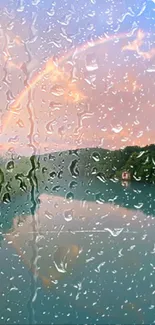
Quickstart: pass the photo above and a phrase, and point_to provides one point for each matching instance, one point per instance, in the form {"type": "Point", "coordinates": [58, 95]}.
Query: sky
{"type": "Point", "coordinates": [76, 74]}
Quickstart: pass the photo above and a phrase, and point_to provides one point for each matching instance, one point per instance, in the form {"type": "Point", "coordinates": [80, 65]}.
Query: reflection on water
{"type": "Point", "coordinates": [86, 258]}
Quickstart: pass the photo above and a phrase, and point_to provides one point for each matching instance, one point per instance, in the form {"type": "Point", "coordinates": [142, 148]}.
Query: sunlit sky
{"type": "Point", "coordinates": [76, 74]}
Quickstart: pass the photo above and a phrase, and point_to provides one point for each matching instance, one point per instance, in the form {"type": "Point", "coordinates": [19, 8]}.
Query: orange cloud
{"type": "Point", "coordinates": [136, 44]}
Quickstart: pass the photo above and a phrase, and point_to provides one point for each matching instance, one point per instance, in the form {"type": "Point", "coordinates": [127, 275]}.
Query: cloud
{"type": "Point", "coordinates": [136, 45]}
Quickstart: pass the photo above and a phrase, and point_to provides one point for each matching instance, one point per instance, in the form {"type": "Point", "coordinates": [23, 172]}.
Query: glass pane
{"type": "Point", "coordinates": [77, 162]}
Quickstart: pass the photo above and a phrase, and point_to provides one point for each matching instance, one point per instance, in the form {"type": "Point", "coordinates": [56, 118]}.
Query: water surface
{"type": "Point", "coordinates": [86, 255]}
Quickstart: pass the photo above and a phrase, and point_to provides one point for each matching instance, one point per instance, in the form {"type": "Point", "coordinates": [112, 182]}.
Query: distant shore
{"type": "Point", "coordinates": [23, 172]}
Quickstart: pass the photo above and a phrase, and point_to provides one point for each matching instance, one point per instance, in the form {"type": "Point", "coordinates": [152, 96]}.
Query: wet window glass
{"type": "Point", "coordinates": [77, 162]}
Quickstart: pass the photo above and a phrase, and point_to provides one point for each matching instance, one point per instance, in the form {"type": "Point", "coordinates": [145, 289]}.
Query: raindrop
{"type": "Point", "coordinates": [53, 174]}
{"type": "Point", "coordinates": [96, 156]}
{"type": "Point", "coordinates": [35, 2]}
{"type": "Point", "coordinates": [21, 6]}
{"type": "Point", "coordinates": [90, 80]}
{"type": "Point", "coordinates": [9, 95]}
{"type": "Point", "coordinates": [55, 106]}
{"type": "Point", "coordinates": [73, 184]}
{"type": "Point", "coordinates": [70, 196]}
{"type": "Point", "coordinates": [44, 170]}
{"type": "Point", "coordinates": [60, 174]}
{"type": "Point", "coordinates": [138, 206]}
{"type": "Point", "coordinates": [23, 186]}
{"type": "Point", "coordinates": [60, 258]}
{"type": "Point", "coordinates": [1, 177]}
{"type": "Point", "coordinates": [99, 267]}
{"type": "Point", "coordinates": [10, 166]}
{"type": "Point", "coordinates": [99, 198]}
{"type": "Point", "coordinates": [56, 188]}
{"type": "Point", "coordinates": [49, 127]}
{"type": "Point", "coordinates": [51, 157]}
{"type": "Point", "coordinates": [61, 130]}
{"type": "Point", "coordinates": [65, 20]}
{"type": "Point", "coordinates": [142, 9]}
{"type": "Point", "coordinates": [14, 289]}
{"type": "Point", "coordinates": [6, 198]}
{"type": "Point", "coordinates": [10, 26]}
{"type": "Point", "coordinates": [57, 90]}
{"type": "Point", "coordinates": [51, 12]}
{"type": "Point", "coordinates": [90, 27]}
{"type": "Point", "coordinates": [20, 123]}
{"type": "Point", "coordinates": [14, 139]}
{"type": "Point", "coordinates": [115, 232]}
{"type": "Point", "coordinates": [94, 171]}
{"type": "Point", "coordinates": [60, 268]}
{"type": "Point", "coordinates": [8, 187]}
{"type": "Point", "coordinates": [91, 63]}
{"type": "Point", "coordinates": [73, 168]}
{"type": "Point", "coordinates": [92, 13]}
{"type": "Point", "coordinates": [68, 215]}
{"type": "Point", "coordinates": [118, 129]}
{"type": "Point", "coordinates": [101, 177]}
{"type": "Point", "coordinates": [141, 154]}
{"type": "Point", "coordinates": [48, 215]}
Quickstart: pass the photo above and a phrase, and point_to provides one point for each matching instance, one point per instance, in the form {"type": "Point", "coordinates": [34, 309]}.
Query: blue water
{"type": "Point", "coordinates": [110, 279]}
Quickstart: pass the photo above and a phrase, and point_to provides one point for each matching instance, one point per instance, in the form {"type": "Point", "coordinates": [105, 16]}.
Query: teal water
{"type": "Point", "coordinates": [87, 255]}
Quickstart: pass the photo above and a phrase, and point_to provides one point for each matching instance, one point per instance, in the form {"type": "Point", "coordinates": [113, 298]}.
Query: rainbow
{"type": "Point", "coordinates": [50, 67]}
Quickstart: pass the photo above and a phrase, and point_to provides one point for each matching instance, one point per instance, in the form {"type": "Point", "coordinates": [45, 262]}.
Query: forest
{"type": "Point", "coordinates": [139, 161]}
{"type": "Point", "coordinates": [20, 173]}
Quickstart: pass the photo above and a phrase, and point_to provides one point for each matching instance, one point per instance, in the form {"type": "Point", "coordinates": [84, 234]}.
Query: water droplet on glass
{"type": "Point", "coordinates": [44, 170]}
{"type": "Point", "coordinates": [21, 6]}
{"type": "Point", "coordinates": [60, 174]}
{"type": "Point", "coordinates": [115, 232]}
{"type": "Point", "coordinates": [91, 63]}
{"type": "Point", "coordinates": [118, 129]}
{"type": "Point", "coordinates": [99, 267]}
{"type": "Point", "coordinates": [57, 90]}
{"type": "Point", "coordinates": [10, 166]}
{"type": "Point", "coordinates": [96, 156]}
{"type": "Point", "coordinates": [51, 12]}
{"type": "Point", "coordinates": [70, 196]}
{"type": "Point", "coordinates": [61, 130]}
{"type": "Point", "coordinates": [65, 20]}
{"type": "Point", "coordinates": [23, 186]}
{"type": "Point", "coordinates": [94, 171]}
{"type": "Point", "coordinates": [138, 206]}
{"type": "Point", "coordinates": [73, 168]}
{"type": "Point", "coordinates": [6, 198]}
{"type": "Point", "coordinates": [53, 174]}
{"type": "Point", "coordinates": [49, 127]}
{"type": "Point", "coordinates": [54, 106]}
{"type": "Point", "coordinates": [20, 123]}
{"type": "Point", "coordinates": [101, 177]}
{"type": "Point", "coordinates": [73, 184]}
{"type": "Point", "coordinates": [68, 215]}
{"type": "Point", "coordinates": [1, 177]}
{"type": "Point", "coordinates": [56, 188]}
{"type": "Point", "coordinates": [48, 215]}
{"type": "Point", "coordinates": [35, 2]}
{"type": "Point", "coordinates": [60, 268]}
{"type": "Point", "coordinates": [8, 187]}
